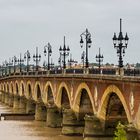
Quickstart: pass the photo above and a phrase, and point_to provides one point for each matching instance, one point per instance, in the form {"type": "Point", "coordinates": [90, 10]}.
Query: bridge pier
{"type": "Point", "coordinates": [11, 100]}
{"type": "Point", "coordinates": [54, 117]}
{"type": "Point", "coordinates": [40, 112]}
{"type": "Point", "coordinates": [70, 124]}
{"type": "Point", "coordinates": [30, 106]}
{"type": "Point", "coordinates": [16, 103]}
{"type": "Point", "coordinates": [3, 97]}
{"type": "Point", "coordinates": [94, 130]}
{"type": "Point", "coordinates": [6, 100]}
{"type": "Point", "coordinates": [132, 133]}
{"type": "Point", "coordinates": [22, 104]}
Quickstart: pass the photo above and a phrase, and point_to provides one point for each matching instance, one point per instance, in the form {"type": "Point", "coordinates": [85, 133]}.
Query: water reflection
{"type": "Point", "coordinates": [28, 130]}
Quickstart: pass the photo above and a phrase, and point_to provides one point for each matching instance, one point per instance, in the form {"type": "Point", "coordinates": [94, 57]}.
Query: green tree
{"type": "Point", "coordinates": [120, 133]}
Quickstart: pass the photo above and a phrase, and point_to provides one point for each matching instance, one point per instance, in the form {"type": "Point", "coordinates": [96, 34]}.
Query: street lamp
{"type": "Point", "coordinates": [64, 52]}
{"type": "Point", "coordinates": [49, 49]}
{"type": "Point", "coordinates": [120, 43]}
{"type": "Point", "coordinates": [51, 64]}
{"type": "Point", "coordinates": [20, 61]}
{"type": "Point", "coordinates": [88, 44]}
{"type": "Point", "coordinates": [83, 58]}
{"type": "Point", "coordinates": [37, 58]}
{"type": "Point", "coordinates": [99, 59]}
{"type": "Point", "coordinates": [14, 61]}
{"type": "Point", "coordinates": [27, 58]}
{"type": "Point", "coordinates": [60, 60]}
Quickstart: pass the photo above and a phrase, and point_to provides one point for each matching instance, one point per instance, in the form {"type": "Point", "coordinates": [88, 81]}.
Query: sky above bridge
{"type": "Point", "coordinates": [25, 24]}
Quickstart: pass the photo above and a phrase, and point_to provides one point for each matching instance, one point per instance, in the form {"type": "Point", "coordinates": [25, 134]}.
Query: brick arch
{"type": "Point", "coordinates": [45, 95]}
{"type": "Point", "coordinates": [37, 87]}
{"type": "Point", "coordinates": [76, 102]}
{"type": "Point", "coordinates": [29, 92]}
{"type": "Point", "coordinates": [22, 88]}
{"type": "Point", "coordinates": [102, 109]}
{"type": "Point", "coordinates": [11, 88]}
{"type": "Point", "coordinates": [59, 94]}
{"type": "Point", "coordinates": [7, 89]}
{"type": "Point", "coordinates": [16, 91]}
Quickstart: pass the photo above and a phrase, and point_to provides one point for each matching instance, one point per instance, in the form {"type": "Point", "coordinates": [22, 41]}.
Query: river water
{"type": "Point", "coordinates": [29, 130]}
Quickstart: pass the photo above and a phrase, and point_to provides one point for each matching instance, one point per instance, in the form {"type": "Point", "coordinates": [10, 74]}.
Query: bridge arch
{"type": "Point", "coordinates": [7, 87]}
{"type": "Point", "coordinates": [11, 88]}
{"type": "Point", "coordinates": [29, 90]}
{"type": "Point", "coordinates": [112, 89]}
{"type": "Point", "coordinates": [63, 94]}
{"type": "Point", "coordinates": [37, 91]}
{"type": "Point", "coordinates": [16, 88]}
{"type": "Point", "coordinates": [22, 88]}
{"type": "Point", "coordinates": [48, 96]}
{"type": "Point", "coordinates": [83, 90]}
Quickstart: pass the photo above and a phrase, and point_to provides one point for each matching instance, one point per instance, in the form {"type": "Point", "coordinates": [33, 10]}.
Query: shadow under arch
{"type": "Point", "coordinates": [48, 97]}
{"type": "Point", "coordinates": [63, 96]}
{"type": "Point", "coordinates": [7, 87]}
{"type": "Point", "coordinates": [38, 94]}
{"type": "Point", "coordinates": [16, 88]}
{"type": "Point", "coordinates": [29, 91]}
{"type": "Point", "coordinates": [113, 108]}
{"type": "Point", "coordinates": [82, 88]}
{"type": "Point", "coordinates": [11, 88]}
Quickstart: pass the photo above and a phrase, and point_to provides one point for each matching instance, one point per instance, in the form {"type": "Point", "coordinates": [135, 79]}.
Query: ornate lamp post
{"type": "Point", "coordinates": [44, 65]}
{"type": "Point", "coordinates": [51, 64]}
{"type": "Point", "coordinates": [37, 58]}
{"type": "Point", "coordinates": [14, 61]}
{"type": "Point", "coordinates": [49, 50]}
{"type": "Point", "coordinates": [60, 60]}
{"type": "Point", "coordinates": [83, 58]}
{"type": "Point", "coordinates": [20, 61]}
{"type": "Point", "coordinates": [27, 58]}
{"type": "Point", "coordinates": [120, 43]}
{"type": "Point", "coordinates": [64, 52]}
{"type": "Point", "coordinates": [99, 59]}
{"type": "Point", "coordinates": [88, 44]}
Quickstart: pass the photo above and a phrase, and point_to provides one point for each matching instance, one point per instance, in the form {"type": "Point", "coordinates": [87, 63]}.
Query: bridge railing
{"type": "Point", "coordinates": [127, 72]}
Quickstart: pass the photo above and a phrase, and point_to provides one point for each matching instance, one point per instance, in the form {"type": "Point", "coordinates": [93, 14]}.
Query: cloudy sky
{"type": "Point", "coordinates": [25, 24]}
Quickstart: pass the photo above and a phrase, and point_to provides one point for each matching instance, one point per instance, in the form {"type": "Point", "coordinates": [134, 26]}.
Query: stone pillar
{"type": "Point", "coordinates": [54, 117]}
{"type": "Point", "coordinates": [40, 112]}
{"type": "Point", "coordinates": [22, 104]}
{"type": "Point", "coordinates": [11, 100]}
{"type": "Point", "coordinates": [16, 103]}
{"type": "Point", "coordinates": [93, 129]}
{"type": "Point", "coordinates": [131, 132]}
{"type": "Point", "coordinates": [6, 100]}
{"type": "Point", "coordinates": [70, 124]}
{"type": "Point", "coordinates": [30, 106]}
{"type": "Point", "coordinates": [120, 71]}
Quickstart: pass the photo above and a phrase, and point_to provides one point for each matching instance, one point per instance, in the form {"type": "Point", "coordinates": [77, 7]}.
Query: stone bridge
{"type": "Point", "coordinates": [88, 104]}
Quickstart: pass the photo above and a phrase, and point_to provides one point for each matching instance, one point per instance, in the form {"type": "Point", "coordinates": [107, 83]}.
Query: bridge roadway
{"type": "Point", "coordinates": [88, 104]}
